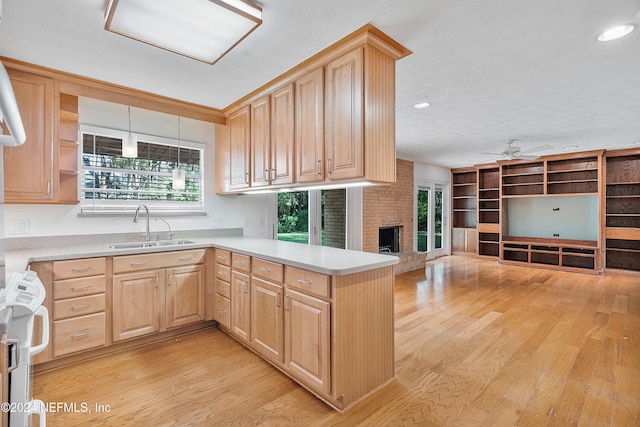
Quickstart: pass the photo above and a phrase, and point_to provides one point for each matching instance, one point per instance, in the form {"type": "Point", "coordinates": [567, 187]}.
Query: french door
{"type": "Point", "coordinates": [431, 233]}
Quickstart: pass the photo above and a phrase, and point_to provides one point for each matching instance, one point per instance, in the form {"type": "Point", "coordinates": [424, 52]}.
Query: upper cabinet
{"type": "Point", "coordinates": [239, 143]}
{"type": "Point", "coordinates": [29, 168]}
{"type": "Point", "coordinates": [340, 108]}
{"type": "Point", "coordinates": [309, 129]}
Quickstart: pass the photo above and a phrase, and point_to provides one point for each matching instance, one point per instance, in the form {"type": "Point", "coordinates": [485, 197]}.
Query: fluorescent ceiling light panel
{"type": "Point", "coordinates": [200, 29]}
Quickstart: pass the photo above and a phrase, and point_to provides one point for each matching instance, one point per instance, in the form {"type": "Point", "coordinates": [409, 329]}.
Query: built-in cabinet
{"type": "Point", "coordinates": [480, 204]}
{"type": "Point", "coordinates": [79, 305]}
{"type": "Point", "coordinates": [622, 216]}
{"type": "Point", "coordinates": [489, 211]}
{"type": "Point", "coordinates": [307, 323]}
{"type": "Point", "coordinates": [156, 292]}
{"type": "Point", "coordinates": [342, 102]}
{"type": "Point", "coordinates": [29, 169]}
{"type": "Point", "coordinates": [309, 129]}
{"type": "Point", "coordinates": [465, 211]}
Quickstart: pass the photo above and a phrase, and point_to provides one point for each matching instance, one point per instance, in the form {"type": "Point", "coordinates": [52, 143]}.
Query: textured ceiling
{"type": "Point", "coordinates": [493, 70]}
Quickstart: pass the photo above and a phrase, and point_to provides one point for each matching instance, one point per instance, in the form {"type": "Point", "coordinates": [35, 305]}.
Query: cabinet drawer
{"type": "Point", "coordinates": [223, 257]}
{"type": "Point", "coordinates": [241, 262]}
{"type": "Point", "coordinates": [271, 271]}
{"type": "Point", "coordinates": [79, 268]}
{"type": "Point", "coordinates": [71, 288]}
{"type": "Point", "coordinates": [223, 272]}
{"type": "Point", "coordinates": [78, 333]}
{"type": "Point", "coordinates": [74, 307]}
{"type": "Point", "coordinates": [223, 288]}
{"type": "Point", "coordinates": [223, 311]}
{"type": "Point", "coordinates": [128, 263]}
{"type": "Point", "coordinates": [308, 281]}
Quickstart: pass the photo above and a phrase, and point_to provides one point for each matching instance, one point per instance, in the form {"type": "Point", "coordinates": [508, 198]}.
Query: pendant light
{"type": "Point", "coordinates": [178, 175]}
{"type": "Point", "coordinates": [130, 142]}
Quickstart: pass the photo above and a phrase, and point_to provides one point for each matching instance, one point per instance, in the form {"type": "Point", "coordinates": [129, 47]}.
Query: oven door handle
{"type": "Point", "coordinates": [44, 314]}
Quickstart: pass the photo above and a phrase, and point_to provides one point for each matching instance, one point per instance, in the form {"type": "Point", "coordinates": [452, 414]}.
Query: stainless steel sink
{"type": "Point", "coordinates": [133, 245]}
{"type": "Point", "coordinates": [173, 242]}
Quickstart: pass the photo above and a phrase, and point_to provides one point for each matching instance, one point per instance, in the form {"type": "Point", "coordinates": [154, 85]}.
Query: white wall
{"type": "Point", "coordinates": [564, 217]}
{"type": "Point", "coordinates": [431, 173]}
{"type": "Point", "coordinates": [249, 212]}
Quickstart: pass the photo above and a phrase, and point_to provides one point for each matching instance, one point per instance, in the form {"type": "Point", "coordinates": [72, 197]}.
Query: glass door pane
{"type": "Point", "coordinates": [423, 220]}
{"type": "Point", "coordinates": [293, 216]}
{"type": "Point", "coordinates": [438, 218]}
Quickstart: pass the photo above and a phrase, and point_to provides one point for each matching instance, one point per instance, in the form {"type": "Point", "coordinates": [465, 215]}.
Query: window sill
{"type": "Point", "coordinates": [132, 212]}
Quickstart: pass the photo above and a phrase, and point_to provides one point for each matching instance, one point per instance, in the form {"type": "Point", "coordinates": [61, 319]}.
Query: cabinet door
{"type": "Point", "coordinates": [239, 145]}
{"type": "Point", "coordinates": [28, 169]}
{"type": "Point", "coordinates": [260, 142]}
{"type": "Point", "coordinates": [240, 305]}
{"type": "Point", "coordinates": [282, 136]}
{"type": "Point", "coordinates": [309, 117]}
{"type": "Point", "coordinates": [307, 339]}
{"type": "Point", "coordinates": [267, 323]}
{"type": "Point", "coordinates": [185, 295]}
{"type": "Point", "coordinates": [344, 117]}
{"type": "Point", "coordinates": [136, 303]}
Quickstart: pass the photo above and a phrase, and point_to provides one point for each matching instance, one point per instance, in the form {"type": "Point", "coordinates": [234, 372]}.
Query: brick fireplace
{"type": "Point", "coordinates": [389, 206]}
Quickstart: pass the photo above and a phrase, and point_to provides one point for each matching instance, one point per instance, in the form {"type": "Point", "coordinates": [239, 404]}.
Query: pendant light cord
{"type": "Point", "coordinates": [178, 142]}
{"type": "Point", "coordinates": [129, 120]}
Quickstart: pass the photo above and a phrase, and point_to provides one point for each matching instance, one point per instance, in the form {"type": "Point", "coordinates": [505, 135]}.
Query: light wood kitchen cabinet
{"type": "Point", "coordinates": [272, 138]}
{"type": "Point", "coordinates": [79, 305]}
{"type": "Point", "coordinates": [239, 124]}
{"type": "Point", "coordinates": [240, 305]}
{"type": "Point", "coordinates": [267, 312]}
{"type": "Point", "coordinates": [307, 339]}
{"type": "Point", "coordinates": [29, 168]}
{"type": "Point", "coordinates": [344, 102]}
{"type": "Point", "coordinates": [137, 303]}
{"type": "Point", "coordinates": [222, 271]}
{"type": "Point", "coordinates": [282, 136]}
{"type": "Point", "coordinates": [309, 133]}
{"type": "Point", "coordinates": [185, 295]}
{"type": "Point", "coordinates": [267, 326]}
{"type": "Point", "coordinates": [260, 142]}
{"type": "Point", "coordinates": [148, 298]}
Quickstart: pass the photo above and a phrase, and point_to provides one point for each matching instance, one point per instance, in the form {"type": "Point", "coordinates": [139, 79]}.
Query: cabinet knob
{"type": "Point", "coordinates": [80, 335]}
{"type": "Point", "coordinates": [80, 307]}
{"type": "Point", "coordinates": [80, 269]}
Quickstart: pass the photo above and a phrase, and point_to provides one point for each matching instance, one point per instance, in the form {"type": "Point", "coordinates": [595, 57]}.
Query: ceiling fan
{"type": "Point", "coordinates": [512, 152]}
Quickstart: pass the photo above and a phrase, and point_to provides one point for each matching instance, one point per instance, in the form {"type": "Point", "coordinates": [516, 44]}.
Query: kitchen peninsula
{"type": "Point", "coordinates": [323, 316]}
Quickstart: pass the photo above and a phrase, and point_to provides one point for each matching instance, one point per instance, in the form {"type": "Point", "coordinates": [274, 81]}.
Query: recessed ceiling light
{"type": "Point", "coordinates": [421, 105]}
{"type": "Point", "coordinates": [615, 33]}
{"type": "Point", "coordinates": [570, 147]}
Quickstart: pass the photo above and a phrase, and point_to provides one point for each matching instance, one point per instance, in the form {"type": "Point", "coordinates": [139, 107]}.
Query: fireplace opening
{"type": "Point", "coordinates": [389, 239]}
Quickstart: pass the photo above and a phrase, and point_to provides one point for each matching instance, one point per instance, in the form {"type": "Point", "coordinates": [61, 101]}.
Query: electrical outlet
{"type": "Point", "coordinates": [18, 226]}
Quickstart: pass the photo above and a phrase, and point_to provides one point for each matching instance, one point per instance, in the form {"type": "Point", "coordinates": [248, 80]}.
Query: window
{"type": "Point", "coordinates": [112, 183]}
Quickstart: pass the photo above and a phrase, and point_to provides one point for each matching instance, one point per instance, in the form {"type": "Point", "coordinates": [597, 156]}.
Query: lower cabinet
{"type": "Point", "coordinates": [136, 304]}
{"type": "Point", "coordinates": [464, 240]}
{"type": "Point", "coordinates": [240, 306]}
{"type": "Point", "coordinates": [148, 299]}
{"type": "Point", "coordinates": [307, 338]}
{"type": "Point", "coordinates": [267, 329]}
{"type": "Point", "coordinates": [185, 295]}
{"type": "Point", "coordinates": [79, 306]}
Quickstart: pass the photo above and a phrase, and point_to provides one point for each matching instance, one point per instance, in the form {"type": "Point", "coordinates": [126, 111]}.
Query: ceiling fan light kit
{"type": "Point", "coordinates": [512, 152]}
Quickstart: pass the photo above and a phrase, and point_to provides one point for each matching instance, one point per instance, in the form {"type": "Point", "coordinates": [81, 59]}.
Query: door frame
{"type": "Point", "coordinates": [431, 186]}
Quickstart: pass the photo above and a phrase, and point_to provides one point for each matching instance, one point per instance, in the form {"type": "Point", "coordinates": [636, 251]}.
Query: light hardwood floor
{"type": "Point", "coordinates": [477, 344]}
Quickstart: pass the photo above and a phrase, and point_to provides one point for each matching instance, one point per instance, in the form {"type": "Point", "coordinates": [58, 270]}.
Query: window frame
{"type": "Point", "coordinates": [103, 207]}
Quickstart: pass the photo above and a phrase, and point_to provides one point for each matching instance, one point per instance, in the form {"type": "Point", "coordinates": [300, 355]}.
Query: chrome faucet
{"type": "Point", "coordinates": [147, 236]}
{"type": "Point", "coordinates": [170, 234]}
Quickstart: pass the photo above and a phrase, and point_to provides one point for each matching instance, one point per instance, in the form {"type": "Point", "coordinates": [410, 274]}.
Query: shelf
{"type": "Point", "coordinates": [630, 196]}
{"type": "Point", "coordinates": [464, 210]}
{"type": "Point", "coordinates": [624, 183]}
{"type": "Point", "coordinates": [464, 184]}
{"type": "Point", "coordinates": [507, 175]}
{"type": "Point", "coordinates": [522, 184]}
{"type": "Point", "coordinates": [490, 189]}
{"type": "Point", "coordinates": [573, 181]}
{"type": "Point", "coordinates": [463, 197]}
{"type": "Point", "coordinates": [623, 214]}
{"type": "Point", "coordinates": [572, 170]}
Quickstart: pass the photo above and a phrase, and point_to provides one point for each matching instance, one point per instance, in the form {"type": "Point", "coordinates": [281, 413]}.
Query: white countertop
{"type": "Point", "coordinates": [316, 258]}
